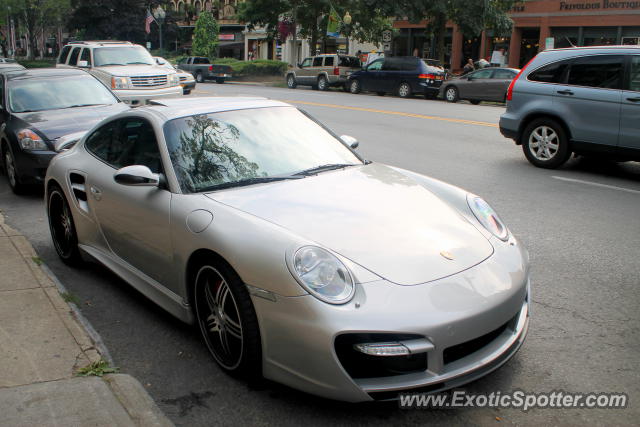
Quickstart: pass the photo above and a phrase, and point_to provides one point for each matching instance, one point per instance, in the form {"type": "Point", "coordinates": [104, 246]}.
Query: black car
{"type": "Point", "coordinates": [401, 75]}
{"type": "Point", "coordinates": [38, 107]}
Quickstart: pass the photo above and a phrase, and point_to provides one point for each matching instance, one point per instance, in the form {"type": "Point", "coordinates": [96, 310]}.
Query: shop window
{"type": "Point", "coordinates": [552, 73]}
{"type": "Point", "coordinates": [602, 71]}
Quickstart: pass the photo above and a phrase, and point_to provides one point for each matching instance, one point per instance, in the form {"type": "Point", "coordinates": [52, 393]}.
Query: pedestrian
{"type": "Point", "coordinates": [468, 67]}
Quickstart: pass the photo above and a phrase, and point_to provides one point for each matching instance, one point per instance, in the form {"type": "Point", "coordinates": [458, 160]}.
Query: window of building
{"type": "Point", "coordinates": [602, 71]}
{"type": "Point", "coordinates": [551, 73]}
{"type": "Point", "coordinates": [600, 36]}
{"type": "Point", "coordinates": [317, 61]}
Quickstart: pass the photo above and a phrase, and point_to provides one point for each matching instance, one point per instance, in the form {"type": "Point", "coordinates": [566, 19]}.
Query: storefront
{"type": "Point", "coordinates": [538, 24]}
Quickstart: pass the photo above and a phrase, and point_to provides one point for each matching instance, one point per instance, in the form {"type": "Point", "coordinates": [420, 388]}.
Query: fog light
{"type": "Point", "coordinates": [383, 349]}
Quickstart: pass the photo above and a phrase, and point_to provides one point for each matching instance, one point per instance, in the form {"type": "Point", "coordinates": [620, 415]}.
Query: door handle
{"type": "Point", "coordinates": [96, 193]}
{"type": "Point", "coordinates": [565, 92]}
{"type": "Point", "coordinates": [634, 99]}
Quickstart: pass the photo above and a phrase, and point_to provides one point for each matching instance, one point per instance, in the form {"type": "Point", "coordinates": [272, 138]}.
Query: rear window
{"type": "Point", "coordinates": [551, 73]}
{"type": "Point", "coordinates": [200, 60]}
{"type": "Point", "coordinates": [400, 64]}
{"type": "Point", "coordinates": [602, 71]}
{"type": "Point", "coordinates": [349, 61]}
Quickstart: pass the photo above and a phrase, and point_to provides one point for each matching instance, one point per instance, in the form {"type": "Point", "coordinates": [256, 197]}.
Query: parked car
{"type": "Point", "coordinates": [10, 66]}
{"type": "Point", "coordinates": [579, 100]}
{"type": "Point", "coordinates": [41, 106]}
{"type": "Point", "coordinates": [187, 81]}
{"type": "Point", "coordinates": [202, 69]}
{"type": "Point", "coordinates": [323, 71]}
{"type": "Point", "coordinates": [400, 75]}
{"type": "Point", "coordinates": [128, 69]}
{"type": "Point", "coordinates": [488, 84]}
{"type": "Point", "coordinates": [8, 61]}
{"type": "Point", "coordinates": [297, 259]}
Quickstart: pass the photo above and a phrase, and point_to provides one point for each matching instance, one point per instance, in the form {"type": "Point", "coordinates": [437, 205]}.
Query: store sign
{"type": "Point", "coordinates": [226, 37]}
{"type": "Point", "coordinates": [605, 4]}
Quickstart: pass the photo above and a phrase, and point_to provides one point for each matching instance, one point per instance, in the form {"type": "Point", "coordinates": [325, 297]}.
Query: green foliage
{"type": "Point", "coordinates": [205, 36]}
{"type": "Point", "coordinates": [37, 64]}
{"type": "Point", "coordinates": [258, 67]}
{"type": "Point", "coordinates": [69, 297]}
{"type": "Point", "coordinates": [96, 369]}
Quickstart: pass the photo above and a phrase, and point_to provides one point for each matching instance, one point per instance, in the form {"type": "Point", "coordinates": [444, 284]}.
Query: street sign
{"type": "Point", "coordinates": [148, 45]}
{"type": "Point", "coordinates": [386, 36]}
{"type": "Point", "coordinates": [548, 43]}
{"type": "Point", "coordinates": [386, 46]}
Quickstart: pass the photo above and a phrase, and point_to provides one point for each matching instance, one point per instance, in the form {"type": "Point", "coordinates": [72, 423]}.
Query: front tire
{"type": "Point", "coordinates": [355, 86]}
{"type": "Point", "coordinates": [11, 171]}
{"type": "Point", "coordinates": [545, 143]}
{"type": "Point", "coordinates": [291, 81]}
{"type": "Point", "coordinates": [451, 94]}
{"type": "Point", "coordinates": [404, 90]}
{"type": "Point", "coordinates": [227, 320]}
{"type": "Point", "coordinates": [62, 227]}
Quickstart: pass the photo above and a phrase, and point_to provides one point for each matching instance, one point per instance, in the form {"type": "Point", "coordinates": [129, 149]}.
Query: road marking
{"type": "Point", "coordinates": [597, 184]}
{"type": "Point", "coordinates": [395, 113]}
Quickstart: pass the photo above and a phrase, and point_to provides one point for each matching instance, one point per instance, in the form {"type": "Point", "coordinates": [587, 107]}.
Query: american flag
{"type": "Point", "coordinates": [147, 22]}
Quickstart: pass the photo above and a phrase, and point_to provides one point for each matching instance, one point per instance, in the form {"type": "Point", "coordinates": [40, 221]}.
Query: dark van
{"type": "Point", "coordinates": [400, 75]}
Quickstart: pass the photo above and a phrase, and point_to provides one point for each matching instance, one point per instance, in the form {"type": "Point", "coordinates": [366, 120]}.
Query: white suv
{"type": "Point", "coordinates": [127, 68]}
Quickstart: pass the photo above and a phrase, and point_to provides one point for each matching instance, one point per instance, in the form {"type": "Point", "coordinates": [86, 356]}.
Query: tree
{"type": "Point", "coordinates": [205, 36]}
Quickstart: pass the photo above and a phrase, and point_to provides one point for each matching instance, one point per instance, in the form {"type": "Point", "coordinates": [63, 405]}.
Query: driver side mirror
{"type": "Point", "coordinates": [137, 176]}
{"type": "Point", "coordinates": [350, 141]}
{"type": "Point", "coordinates": [83, 64]}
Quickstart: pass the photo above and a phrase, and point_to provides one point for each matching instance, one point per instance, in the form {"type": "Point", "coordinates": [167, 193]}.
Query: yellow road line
{"type": "Point", "coordinates": [395, 113]}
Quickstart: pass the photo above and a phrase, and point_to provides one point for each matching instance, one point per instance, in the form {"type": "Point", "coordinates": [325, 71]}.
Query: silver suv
{"type": "Point", "coordinates": [127, 68]}
{"type": "Point", "coordinates": [577, 100]}
{"type": "Point", "coordinates": [323, 71]}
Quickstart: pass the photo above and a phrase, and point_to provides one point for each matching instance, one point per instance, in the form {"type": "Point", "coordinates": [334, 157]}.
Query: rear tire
{"type": "Point", "coordinates": [404, 90]}
{"type": "Point", "coordinates": [199, 77]}
{"type": "Point", "coordinates": [227, 320]}
{"type": "Point", "coordinates": [545, 143]}
{"type": "Point", "coordinates": [323, 84]}
{"type": "Point", "coordinates": [62, 227]}
{"type": "Point", "coordinates": [355, 87]}
{"type": "Point", "coordinates": [451, 94]}
{"type": "Point", "coordinates": [474, 101]}
{"type": "Point", "coordinates": [291, 81]}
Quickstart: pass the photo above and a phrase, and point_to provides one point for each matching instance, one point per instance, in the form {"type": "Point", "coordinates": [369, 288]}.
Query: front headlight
{"type": "Point", "coordinates": [173, 79]}
{"type": "Point", "coordinates": [487, 217]}
{"type": "Point", "coordinates": [323, 275]}
{"type": "Point", "coordinates": [119, 83]}
{"type": "Point", "coordinates": [31, 141]}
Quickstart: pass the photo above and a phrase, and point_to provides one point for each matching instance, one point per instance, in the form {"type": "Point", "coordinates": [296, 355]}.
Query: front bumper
{"type": "Point", "coordinates": [142, 96]}
{"type": "Point", "coordinates": [32, 165]}
{"type": "Point", "coordinates": [433, 87]}
{"type": "Point", "coordinates": [473, 322]}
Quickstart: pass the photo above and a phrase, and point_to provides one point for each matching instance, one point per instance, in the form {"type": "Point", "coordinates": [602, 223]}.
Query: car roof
{"type": "Point", "coordinates": [172, 108]}
{"type": "Point", "coordinates": [590, 48]}
{"type": "Point", "coordinates": [43, 72]}
{"type": "Point", "coordinates": [100, 43]}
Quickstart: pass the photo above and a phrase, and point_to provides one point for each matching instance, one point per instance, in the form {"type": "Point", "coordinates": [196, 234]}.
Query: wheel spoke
{"type": "Point", "coordinates": [212, 324]}
{"type": "Point", "coordinates": [221, 294]}
{"type": "Point", "coordinates": [232, 327]}
{"type": "Point", "coordinates": [211, 301]}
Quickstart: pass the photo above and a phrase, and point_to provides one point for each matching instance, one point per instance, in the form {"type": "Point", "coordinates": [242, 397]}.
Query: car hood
{"type": "Point", "coordinates": [373, 215]}
{"type": "Point", "coordinates": [136, 70]}
{"type": "Point", "coordinates": [53, 124]}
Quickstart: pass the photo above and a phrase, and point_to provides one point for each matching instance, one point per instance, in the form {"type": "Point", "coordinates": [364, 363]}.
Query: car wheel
{"type": "Point", "coordinates": [451, 94]}
{"type": "Point", "coordinates": [220, 80]}
{"type": "Point", "coordinates": [12, 172]}
{"type": "Point", "coordinates": [227, 320]}
{"type": "Point", "coordinates": [404, 90]}
{"type": "Point", "coordinates": [545, 143]}
{"type": "Point", "coordinates": [323, 84]}
{"type": "Point", "coordinates": [62, 227]}
{"type": "Point", "coordinates": [355, 87]}
{"type": "Point", "coordinates": [291, 81]}
{"type": "Point", "coordinates": [199, 78]}
{"type": "Point", "coordinates": [474, 101]}
{"type": "Point", "coordinates": [379, 93]}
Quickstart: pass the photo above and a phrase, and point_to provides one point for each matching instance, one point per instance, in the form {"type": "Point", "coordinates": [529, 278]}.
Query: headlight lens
{"type": "Point", "coordinates": [31, 141]}
{"type": "Point", "coordinates": [323, 275]}
{"type": "Point", "coordinates": [488, 217]}
{"type": "Point", "coordinates": [119, 83]}
{"type": "Point", "coordinates": [173, 79]}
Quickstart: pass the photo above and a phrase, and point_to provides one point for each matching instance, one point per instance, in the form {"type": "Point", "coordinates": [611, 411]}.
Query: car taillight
{"type": "Point", "coordinates": [427, 76]}
{"type": "Point", "coordinates": [336, 71]}
{"type": "Point", "coordinates": [513, 82]}
{"type": "Point", "coordinates": [210, 67]}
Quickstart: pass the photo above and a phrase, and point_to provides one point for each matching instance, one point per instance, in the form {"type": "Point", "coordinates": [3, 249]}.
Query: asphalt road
{"type": "Point", "coordinates": [580, 223]}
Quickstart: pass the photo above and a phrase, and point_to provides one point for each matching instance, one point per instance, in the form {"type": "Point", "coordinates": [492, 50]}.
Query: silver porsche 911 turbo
{"type": "Point", "coordinates": [298, 260]}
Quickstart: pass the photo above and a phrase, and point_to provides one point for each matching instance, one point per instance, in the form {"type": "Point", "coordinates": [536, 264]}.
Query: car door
{"type": "Point", "coordinates": [371, 76]}
{"type": "Point", "coordinates": [134, 221]}
{"type": "Point", "coordinates": [302, 75]}
{"type": "Point", "coordinates": [630, 107]}
{"type": "Point", "coordinates": [589, 99]}
{"type": "Point", "coordinates": [497, 85]}
{"type": "Point", "coordinates": [474, 85]}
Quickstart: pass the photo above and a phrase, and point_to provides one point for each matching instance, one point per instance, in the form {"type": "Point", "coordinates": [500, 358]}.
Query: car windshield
{"type": "Point", "coordinates": [220, 149]}
{"type": "Point", "coordinates": [121, 55]}
{"type": "Point", "coordinates": [52, 93]}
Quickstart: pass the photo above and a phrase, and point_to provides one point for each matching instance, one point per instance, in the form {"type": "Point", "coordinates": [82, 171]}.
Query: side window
{"type": "Point", "coordinates": [183, 61]}
{"type": "Point", "coordinates": [328, 61]}
{"type": "Point", "coordinates": [1, 92]}
{"type": "Point", "coordinates": [73, 59]}
{"type": "Point", "coordinates": [503, 74]}
{"type": "Point", "coordinates": [390, 64]}
{"type": "Point", "coordinates": [306, 63]}
{"type": "Point", "coordinates": [551, 73]}
{"type": "Point", "coordinates": [634, 80]}
{"type": "Point", "coordinates": [375, 65]}
{"type": "Point", "coordinates": [86, 55]}
{"type": "Point", "coordinates": [99, 143]}
{"type": "Point", "coordinates": [63, 54]}
{"type": "Point", "coordinates": [317, 61]}
{"type": "Point", "coordinates": [482, 74]}
{"type": "Point", "coordinates": [601, 71]}
{"type": "Point", "coordinates": [200, 61]}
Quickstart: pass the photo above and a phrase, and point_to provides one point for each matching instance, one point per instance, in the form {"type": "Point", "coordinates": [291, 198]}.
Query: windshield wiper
{"type": "Point", "coordinates": [106, 65]}
{"type": "Point", "coordinates": [81, 105]}
{"type": "Point", "coordinates": [322, 168]}
{"type": "Point", "coordinates": [247, 181]}
{"type": "Point", "coordinates": [138, 62]}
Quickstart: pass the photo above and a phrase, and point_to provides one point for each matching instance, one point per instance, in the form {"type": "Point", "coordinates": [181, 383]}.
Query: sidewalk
{"type": "Point", "coordinates": [42, 346]}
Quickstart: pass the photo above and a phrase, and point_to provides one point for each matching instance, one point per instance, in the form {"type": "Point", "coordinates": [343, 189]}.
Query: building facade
{"type": "Point", "coordinates": [538, 24]}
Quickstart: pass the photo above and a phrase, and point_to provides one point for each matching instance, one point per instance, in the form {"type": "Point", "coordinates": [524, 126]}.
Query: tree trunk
{"type": "Point", "coordinates": [441, 30]}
